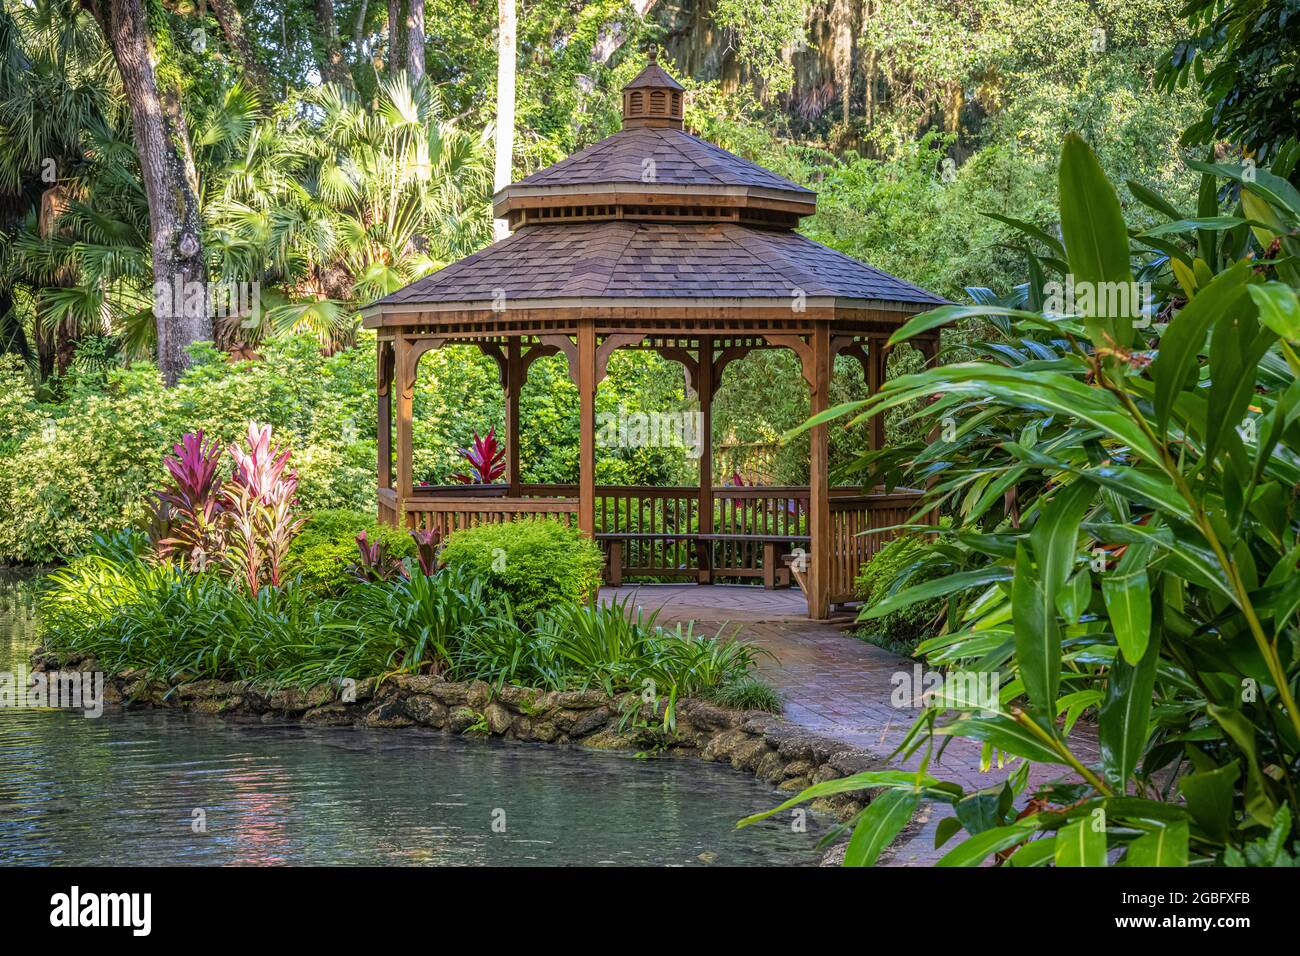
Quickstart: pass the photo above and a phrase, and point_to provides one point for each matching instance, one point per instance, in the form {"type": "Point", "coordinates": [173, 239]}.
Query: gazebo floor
{"type": "Point", "coordinates": [834, 685]}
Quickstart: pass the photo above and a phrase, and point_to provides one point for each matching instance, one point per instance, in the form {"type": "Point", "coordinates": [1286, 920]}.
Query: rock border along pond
{"type": "Point", "coordinates": [771, 748]}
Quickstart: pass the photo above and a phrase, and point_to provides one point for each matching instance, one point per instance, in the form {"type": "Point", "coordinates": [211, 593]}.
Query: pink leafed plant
{"type": "Point", "coordinates": [487, 460]}
{"type": "Point", "coordinates": [376, 565]}
{"type": "Point", "coordinates": [191, 508]}
{"type": "Point", "coordinates": [259, 500]}
{"type": "Point", "coordinates": [428, 546]}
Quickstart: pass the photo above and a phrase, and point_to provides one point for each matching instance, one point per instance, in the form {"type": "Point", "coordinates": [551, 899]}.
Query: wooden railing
{"type": "Point", "coordinates": [667, 523]}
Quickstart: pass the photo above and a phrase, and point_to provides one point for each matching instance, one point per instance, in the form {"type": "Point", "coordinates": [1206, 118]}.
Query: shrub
{"type": "Point", "coordinates": [536, 563]}
{"type": "Point", "coordinates": [901, 562]}
{"type": "Point", "coordinates": [327, 545]}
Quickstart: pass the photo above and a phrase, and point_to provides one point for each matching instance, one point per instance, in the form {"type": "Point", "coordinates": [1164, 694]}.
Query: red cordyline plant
{"type": "Point", "coordinates": [428, 547]}
{"type": "Point", "coordinates": [191, 512]}
{"type": "Point", "coordinates": [376, 565]}
{"type": "Point", "coordinates": [487, 460]}
{"type": "Point", "coordinates": [259, 500]}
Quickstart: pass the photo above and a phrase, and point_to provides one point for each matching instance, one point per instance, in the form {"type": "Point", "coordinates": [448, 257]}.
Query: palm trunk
{"type": "Point", "coordinates": [505, 138]}
{"type": "Point", "coordinates": [415, 40]}
{"type": "Point", "coordinates": [167, 168]}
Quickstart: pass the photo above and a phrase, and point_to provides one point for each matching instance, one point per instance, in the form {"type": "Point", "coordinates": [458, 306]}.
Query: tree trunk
{"type": "Point", "coordinates": [167, 168]}
{"type": "Point", "coordinates": [415, 40]}
{"type": "Point", "coordinates": [505, 133]}
{"type": "Point", "coordinates": [232, 26]}
{"type": "Point", "coordinates": [359, 25]}
{"type": "Point", "coordinates": [396, 36]}
{"type": "Point", "coordinates": [333, 68]}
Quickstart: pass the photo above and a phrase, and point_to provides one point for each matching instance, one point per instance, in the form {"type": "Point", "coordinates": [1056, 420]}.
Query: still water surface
{"type": "Point", "coordinates": [130, 788]}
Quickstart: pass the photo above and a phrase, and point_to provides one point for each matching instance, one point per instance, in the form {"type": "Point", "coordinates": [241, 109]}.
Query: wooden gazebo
{"type": "Point", "coordinates": [655, 239]}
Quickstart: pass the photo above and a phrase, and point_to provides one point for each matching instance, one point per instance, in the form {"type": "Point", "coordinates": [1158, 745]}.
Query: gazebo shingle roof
{"type": "Point", "coordinates": [680, 159]}
{"type": "Point", "coordinates": [624, 259]}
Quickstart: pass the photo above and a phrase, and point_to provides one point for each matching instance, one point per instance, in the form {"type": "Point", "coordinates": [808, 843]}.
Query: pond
{"type": "Point", "coordinates": [157, 788]}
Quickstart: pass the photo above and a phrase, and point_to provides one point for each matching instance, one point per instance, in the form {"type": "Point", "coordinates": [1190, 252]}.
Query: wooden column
{"type": "Point", "coordinates": [704, 386]}
{"type": "Point", "coordinates": [819, 511]}
{"type": "Point", "coordinates": [877, 361]}
{"type": "Point", "coordinates": [514, 385]}
{"type": "Point", "coordinates": [405, 388]}
{"type": "Point", "coordinates": [384, 419]}
{"type": "Point", "coordinates": [587, 426]}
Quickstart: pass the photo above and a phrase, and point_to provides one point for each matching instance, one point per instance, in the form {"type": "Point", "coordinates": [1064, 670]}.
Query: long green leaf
{"type": "Point", "coordinates": [1164, 846]}
{"type": "Point", "coordinates": [1096, 238]}
{"type": "Point", "coordinates": [1125, 716]}
{"type": "Point", "coordinates": [1081, 844]}
{"type": "Point", "coordinates": [880, 823]}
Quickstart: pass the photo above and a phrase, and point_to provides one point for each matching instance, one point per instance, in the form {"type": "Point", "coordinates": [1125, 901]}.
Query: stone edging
{"type": "Point", "coordinates": [770, 747]}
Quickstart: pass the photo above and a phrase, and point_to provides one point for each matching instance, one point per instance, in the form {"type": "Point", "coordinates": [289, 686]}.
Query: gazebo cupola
{"type": "Point", "coordinates": [653, 99]}
{"type": "Point", "coordinates": [654, 239]}
{"type": "Point", "coordinates": [653, 170]}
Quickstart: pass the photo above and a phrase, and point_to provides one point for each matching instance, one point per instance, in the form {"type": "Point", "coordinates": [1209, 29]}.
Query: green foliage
{"type": "Point", "coordinates": [901, 563]}
{"type": "Point", "coordinates": [1144, 565]}
{"type": "Point", "coordinates": [749, 693]}
{"type": "Point", "coordinates": [536, 563]}
{"type": "Point", "coordinates": [1243, 57]}
{"type": "Point", "coordinates": [182, 626]}
{"type": "Point", "coordinates": [321, 553]}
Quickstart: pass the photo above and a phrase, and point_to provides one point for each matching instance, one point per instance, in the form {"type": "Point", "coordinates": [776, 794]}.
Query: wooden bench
{"type": "Point", "coordinates": [775, 570]}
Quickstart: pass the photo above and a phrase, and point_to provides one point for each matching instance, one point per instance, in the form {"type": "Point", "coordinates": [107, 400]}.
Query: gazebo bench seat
{"type": "Point", "coordinates": [776, 572]}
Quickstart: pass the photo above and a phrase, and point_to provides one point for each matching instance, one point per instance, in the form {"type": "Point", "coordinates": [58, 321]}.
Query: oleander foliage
{"type": "Point", "coordinates": [1145, 570]}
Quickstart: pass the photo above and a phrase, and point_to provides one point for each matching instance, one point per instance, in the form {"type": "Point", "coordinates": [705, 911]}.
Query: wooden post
{"type": "Point", "coordinates": [704, 386]}
{"type": "Point", "coordinates": [877, 359]}
{"type": "Point", "coordinates": [384, 419]}
{"type": "Point", "coordinates": [514, 385]}
{"type": "Point", "coordinates": [405, 386]}
{"type": "Point", "coordinates": [587, 426]}
{"type": "Point", "coordinates": [819, 511]}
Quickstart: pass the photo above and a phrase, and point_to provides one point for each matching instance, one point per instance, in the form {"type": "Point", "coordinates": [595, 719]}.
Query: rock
{"type": "Point", "coordinates": [771, 767]}
{"type": "Point", "coordinates": [388, 714]}
{"type": "Point", "coordinates": [799, 768]}
{"type": "Point", "coordinates": [580, 699]}
{"type": "Point", "coordinates": [478, 694]}
{"type": "Point", "coordinates": [608, 739]}
{"type": "Point", "coordinates": [201, 690]}
{"type": "Point", "coordinates": [747, 755]}
{"type": "Point", "coordinates": [416, 683]}
{"type": "Point", "coordinates": [331, 715]}
{"type": "Point", "coordinates": [825, 772]}
{"type": "Point", "coordinates": [426, 710]}
{"type": "Point", "coordinates": [364, 690]}
{"type": "Point", "coordinates": [589, 722]}
{"type": "Point", "coordinates": [807, 747]}
{"type": "Point", "coordinates": [521, 728]}
{"type": "Point", "coordinates": [708, 716]}
{"type": "Point", "coordinates": [849, 762]}
{"type": "Point", "coordinates": [761, 725]}
{"type": "Point", "coordinates": [521, 698]}
{"type": "Point", "coordinates": [722, 746]}
{"type": "Point", "coordinates": [498, 719]}
{"type": "Point", "coordinates": [794, 784]}
{"type": "Point", "coordinates": [322, 694]}
{"type": "Point", "coordinates": [544, 731]}
{"type": "Point", "coordinates": [461, 719]}
{"type": "Point", "coordinates": [289, 700]}
{"type": "Point", "coordinates": [449, 693]}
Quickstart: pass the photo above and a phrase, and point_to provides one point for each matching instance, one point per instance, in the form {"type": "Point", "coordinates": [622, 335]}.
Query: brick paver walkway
{"type": "Point", "coordinates": [834, 685]}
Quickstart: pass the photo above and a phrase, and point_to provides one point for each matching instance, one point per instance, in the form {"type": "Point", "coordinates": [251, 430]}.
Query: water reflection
{"type": "Point", "coordinates": [164, 788]}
